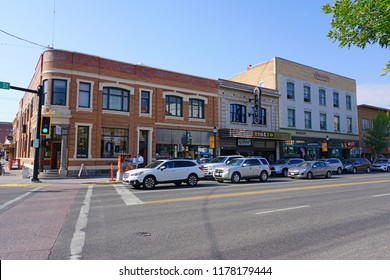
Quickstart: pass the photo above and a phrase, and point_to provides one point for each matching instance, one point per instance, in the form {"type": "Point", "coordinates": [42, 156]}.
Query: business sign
{"type": "Point", "coordinates": [244, 142]}
{"type": "Point", "coordinates": [257, 107]}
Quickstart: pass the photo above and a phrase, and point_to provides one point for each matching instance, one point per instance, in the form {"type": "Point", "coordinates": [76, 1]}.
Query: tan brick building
{"type": "Point", "coordinates": [101, 108]}
{"type": "Point", "coordinates": [318, 108]}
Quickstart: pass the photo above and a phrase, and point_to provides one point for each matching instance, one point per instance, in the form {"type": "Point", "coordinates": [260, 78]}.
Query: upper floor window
{"type": "Point", "coordinates": [348, 101]}
{"type": "Point", "coordinates": [336, 102]}
{"type": "Point", "coordinates": [237, 113]}
{"type": "Point", "coordinates": [44, 97]}
{"type": "Point", "coordinates": [145, 102]}
{"type": "Point", "coordinates": [306, 94]}
{"type": "Point", "coordinates": [173, 106]}
{"type": "Point", "coordinates": [349, 125]}
{"type": "Point", "coordinates": [59, 89]}
{"type": "Point", "coordinates": [337, 123]}
{"type": "Point", "coordinates": [196, 108]}
{"type": "Point", "coordinates": [365, 124]}
{"type": "Point", "coordinates": [290, 90]}
{"type": "Point", "coordinates": [323, 125]}
{"type": "Point", "coordinates": [116, 99]}
{"type": "Point", "coordinates": [322, 97]}
{"type": "Point", "coordinates": [291, 117]}
{"type": "Point", "coordinates": [84, 95]}
{"type": "Point", "coordinates": [307, 120]}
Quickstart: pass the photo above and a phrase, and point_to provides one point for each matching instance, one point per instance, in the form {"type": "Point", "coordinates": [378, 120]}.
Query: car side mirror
{"type": "Point", "coordinates": [162, 168]}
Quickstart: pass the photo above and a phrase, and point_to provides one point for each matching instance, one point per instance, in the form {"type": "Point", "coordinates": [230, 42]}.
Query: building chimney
{"type": "Point", "coordinates": [248, 67]}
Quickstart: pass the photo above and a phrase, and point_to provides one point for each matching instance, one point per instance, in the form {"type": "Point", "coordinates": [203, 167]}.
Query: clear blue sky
{"type": "Point", "coordinates": [213, 39]}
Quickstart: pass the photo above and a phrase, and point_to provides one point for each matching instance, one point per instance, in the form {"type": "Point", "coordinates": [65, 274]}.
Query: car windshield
{"type": "Point", "coordinates": [280, 161]}
{"type": "Point", "coordinates": [305, 164]}
{"type": "Point", "coordinates": [218, 160]}
{"type": "Point", "coordinates": [235, 162]}
{"type": "Point", "coordinates": [381, 161]}
{"type": "Point", "coordinates": [154, 164]}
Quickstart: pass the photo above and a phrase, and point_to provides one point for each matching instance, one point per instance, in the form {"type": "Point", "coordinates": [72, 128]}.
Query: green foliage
{"type": "Point", "coordinates": [378, 135]}
{"type": "Point", "coordinates": [360, 22]}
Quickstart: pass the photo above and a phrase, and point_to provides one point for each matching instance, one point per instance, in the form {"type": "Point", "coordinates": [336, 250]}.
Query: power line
{"type": "Point", "coordinates": [14, 36]}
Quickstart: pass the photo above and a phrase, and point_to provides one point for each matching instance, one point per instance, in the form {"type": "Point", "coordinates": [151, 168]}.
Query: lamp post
{"type": "Point", "coordinates": [327, 146]}
{"type": "Point", "coordinates": [215, 142]}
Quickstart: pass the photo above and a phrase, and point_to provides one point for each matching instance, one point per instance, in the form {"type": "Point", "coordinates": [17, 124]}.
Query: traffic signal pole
{"type": "Point", "coordinates": [39, 93]}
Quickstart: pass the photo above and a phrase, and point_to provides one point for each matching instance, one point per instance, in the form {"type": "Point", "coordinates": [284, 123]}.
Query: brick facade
{"type": "Point", "coordinates": [77, 70]}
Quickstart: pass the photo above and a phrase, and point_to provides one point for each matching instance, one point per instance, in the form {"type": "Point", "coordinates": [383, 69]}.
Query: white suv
{"type": "Point", "coordinates": [243, 168]}
{"type": "Point", "coordinates": [174, 171]}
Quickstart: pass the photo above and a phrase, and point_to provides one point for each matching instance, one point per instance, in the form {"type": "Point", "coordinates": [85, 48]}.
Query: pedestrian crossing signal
{"type": "Point", "coordinates": [45, 125]}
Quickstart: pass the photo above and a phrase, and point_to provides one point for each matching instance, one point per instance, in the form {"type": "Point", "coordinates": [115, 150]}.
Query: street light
{"type": "Point", "coordinates": [215, 142]}
{"type": "Point", "coordinates": [327, 146]}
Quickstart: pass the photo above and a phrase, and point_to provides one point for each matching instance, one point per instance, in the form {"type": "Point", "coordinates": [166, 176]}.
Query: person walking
{"type": "Point", "coordinates": [140, 161]}
{"type": "Point", "coordinates": [134, 162]}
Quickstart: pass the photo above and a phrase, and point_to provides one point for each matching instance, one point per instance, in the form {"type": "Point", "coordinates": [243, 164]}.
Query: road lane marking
{"type": "Point", "coordinates": [127, 196]}
{"type": "Point", "coordinates": [380, 195]}
{"type": "Point", "coordinates": [8, 203]}
{"type": "Point", "coordinates": [281, 210]}
{"type": "Point", "coordinates": [78, 240]}
{"type": "Point", "coordinates": [215, 196]}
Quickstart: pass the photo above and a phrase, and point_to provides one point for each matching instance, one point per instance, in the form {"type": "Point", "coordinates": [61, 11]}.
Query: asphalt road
{"type": "Point", "coordinates": [345, 217]}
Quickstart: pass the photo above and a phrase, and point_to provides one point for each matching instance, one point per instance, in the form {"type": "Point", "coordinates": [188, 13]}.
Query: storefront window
{"type": "Point", "coordinates": [82, 141]}
{"type": "Point", "coordinates": [114, 142]}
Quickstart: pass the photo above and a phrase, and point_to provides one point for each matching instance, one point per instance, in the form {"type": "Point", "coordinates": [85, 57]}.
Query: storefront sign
{"type": "Point", "coordinates": [244, 142]}
{"type": "Point", "coordinates": [263, 134]}
{"type": "Point", "coordinates": [324, 146]}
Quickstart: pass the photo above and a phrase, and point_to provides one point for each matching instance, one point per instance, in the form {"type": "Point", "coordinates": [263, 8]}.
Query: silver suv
{"type": "Point", "coordinates": [220, 161]}
{"type": "Point", "coordinates": [243, 168]}
{"type": "Point", "coordinates": [281, 166]}
{"type": "Point", "coordinates": [174, 171]}
{"type": "Point", "coordinates": [335, 164]}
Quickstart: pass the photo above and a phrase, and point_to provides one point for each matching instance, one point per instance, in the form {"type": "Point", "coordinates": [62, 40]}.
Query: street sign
{"type": "Point", "coordinates": [4, 85]}
{"type": "Point", "coordinates": [35, 143]}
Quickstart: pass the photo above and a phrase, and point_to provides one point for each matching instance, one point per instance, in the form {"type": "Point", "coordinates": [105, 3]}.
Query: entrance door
{"type": "Point", "coordinates": [55, 155]}
{"type": "Point", "coordinates": [143, 144]}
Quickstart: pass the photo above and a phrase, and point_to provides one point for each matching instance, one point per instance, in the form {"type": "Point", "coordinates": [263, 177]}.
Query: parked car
{"type": "Point", "coordinates": [310, 169]}
{"type": "Point", "coordinates": [174, 171]}
{"type": "Point", "coordinates": [204, 160]}
{"type": "Point", "coordinates": [335, 164]}
{"type": "Point", "coordinates": [243, 168]}
{"type": "Point", "coordinates": [354, 165]}
{"type": "Point", "coordinates": [382, 164]}
{"type": "Point", "coordinates": [281, 166]}
{"type": "Point", "coordinates": [209, 168]}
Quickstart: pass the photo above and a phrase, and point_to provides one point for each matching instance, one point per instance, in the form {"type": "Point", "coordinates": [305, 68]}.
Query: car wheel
{"type": "Point", "coordinates": [236, 177]}
{"type": "Point", "coordinates": [192, 180]}
{"type": "Point", "coordinates": [285, 172]}
{"type": "Point", "coordinates": [339, 170]}
{"type": "Point", "coordinates": [149, 182]}
{"type": "Point", "coordinates": [328, 174]}
{"type": "Point", "coordinates": [354, 171]}
{"type": "Point", "coordinates": [368, 170]}
{"type": "Point", "coordinates": [263, 176]}
{"type": "Point", "coordinates": [309, 175]}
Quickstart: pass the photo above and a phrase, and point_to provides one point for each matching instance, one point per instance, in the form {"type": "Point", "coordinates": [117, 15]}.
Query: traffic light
{"type": "Point", "coordinates": [45, 125]}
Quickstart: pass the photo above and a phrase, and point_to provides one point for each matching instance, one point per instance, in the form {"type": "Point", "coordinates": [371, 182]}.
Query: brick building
{"type": "Point", "coordinates": [101, 108]}
{"type": "Point", "coordinates": [366, 114]}
{"type": "Point", "coordinates": [318, 108]}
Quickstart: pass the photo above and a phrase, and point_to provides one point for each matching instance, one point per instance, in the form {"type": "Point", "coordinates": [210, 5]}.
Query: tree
{"type": "Point", "coordinates": [360, 22]}
{"type": "Point", "coordinates": [376, 137]}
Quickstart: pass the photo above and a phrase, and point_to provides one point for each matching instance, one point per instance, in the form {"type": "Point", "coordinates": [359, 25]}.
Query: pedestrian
{"type": "Point", "coordinates": [134, 162]}
{"type": "Point", "coordinates": [140, 161]}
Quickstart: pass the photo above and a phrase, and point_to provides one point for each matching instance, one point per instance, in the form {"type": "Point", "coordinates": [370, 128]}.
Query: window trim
{"type": "Point", "coordinates": [150, 113]}
{"type": "Point", "coordinates": [320, 91]}
{"type": "Point", "coordinates": [177, 97]}
{"type": "Point", "coordinates": [348, 105]}
{"type": "Point", "coordinates": [66, 94]}
{"type": "Point", "coordinates": [308, 113]}
{"type": "Point", "coordinates": [338, 122]}
{"type": "Point", "coordinates": [243, 114]}
{"type": "Point", "coordinates": [335, 93]}
{"type": "Point", "coordinates": [90, 108]}
{"type": "Point", "coordinates": [292, 97]}
{"type": "Point", "coordinates": [294, 118]}
{"type": "Point", "coordinates": [325, 122]}
{"type": "Point", "coordinates": [203, 111]}
{"type": "Point", "coordinates": [90, 125]}
{"type": "Point", "coordinates": [306, 90]}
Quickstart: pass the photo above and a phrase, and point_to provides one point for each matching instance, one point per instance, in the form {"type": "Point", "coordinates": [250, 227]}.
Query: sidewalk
{"type": "Point", "coordinates": [15, 177]}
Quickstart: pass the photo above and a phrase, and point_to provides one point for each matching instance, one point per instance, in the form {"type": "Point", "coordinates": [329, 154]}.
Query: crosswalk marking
{"type": "Point", "coordinates": [127, 196]}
